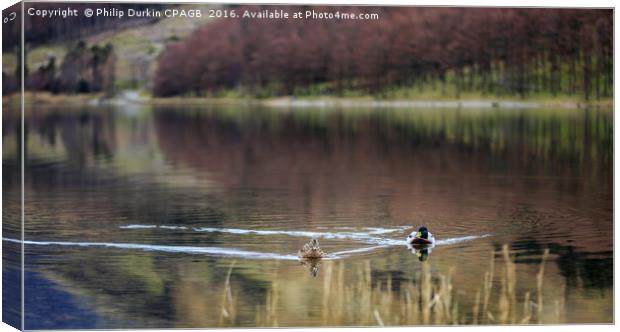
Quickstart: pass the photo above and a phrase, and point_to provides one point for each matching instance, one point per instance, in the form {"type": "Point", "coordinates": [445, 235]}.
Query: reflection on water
{"type": "Point", "coordinates": [422, 252]}
{"type": "Point", "coordinates": [192, 217]}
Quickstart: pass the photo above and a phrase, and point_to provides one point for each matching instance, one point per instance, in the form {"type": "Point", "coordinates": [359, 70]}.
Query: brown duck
{"type": "Point", "coordinates": [311, 250]}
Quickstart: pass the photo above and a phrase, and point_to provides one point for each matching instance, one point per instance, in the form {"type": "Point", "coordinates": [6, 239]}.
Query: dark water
{"type": "Point", "coordinates": [192, 217]}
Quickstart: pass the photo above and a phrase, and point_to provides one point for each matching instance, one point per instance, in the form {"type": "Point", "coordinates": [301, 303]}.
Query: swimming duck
{"type": "Point", "coordinates": [311, 250]}
{"type": "Point", "coordinates": [421, 237]}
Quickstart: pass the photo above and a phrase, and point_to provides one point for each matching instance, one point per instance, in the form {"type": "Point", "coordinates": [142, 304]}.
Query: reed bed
{"type": "Point", "coordinates": [427, 299]}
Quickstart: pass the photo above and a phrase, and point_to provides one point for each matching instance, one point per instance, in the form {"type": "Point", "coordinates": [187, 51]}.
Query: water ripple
{"type": "Point", "coordinates": [233, 252]}
{"type": "Point", "coordinates": [228, 252]}
{"type": "Point", "coordinates": [369, 236]}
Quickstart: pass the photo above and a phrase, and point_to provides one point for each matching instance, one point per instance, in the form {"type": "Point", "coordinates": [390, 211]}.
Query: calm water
{"type": "Point", "coordinates": [141, 216]}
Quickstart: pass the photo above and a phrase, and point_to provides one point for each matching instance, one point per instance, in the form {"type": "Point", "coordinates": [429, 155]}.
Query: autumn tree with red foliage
{"type": "Point", "coordinates": [497, 51]}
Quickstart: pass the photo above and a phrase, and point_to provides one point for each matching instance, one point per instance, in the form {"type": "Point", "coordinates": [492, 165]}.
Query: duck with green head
{"type": "Point", "coordinates": [421, 237]}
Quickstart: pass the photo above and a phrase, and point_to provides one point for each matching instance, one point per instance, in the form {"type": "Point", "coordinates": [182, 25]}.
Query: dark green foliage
{"type": "Point", "coordinates": [83, 69]}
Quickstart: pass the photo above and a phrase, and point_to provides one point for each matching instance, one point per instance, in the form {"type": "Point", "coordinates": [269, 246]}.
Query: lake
{"type": "Point", "coordinates": [143, 216]}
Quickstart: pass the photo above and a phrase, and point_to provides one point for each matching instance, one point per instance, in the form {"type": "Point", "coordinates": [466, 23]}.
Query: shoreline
{"type": "Point", "coordinates": [430, 104]}
{"type": "Point", "coordinates": [42, 98]}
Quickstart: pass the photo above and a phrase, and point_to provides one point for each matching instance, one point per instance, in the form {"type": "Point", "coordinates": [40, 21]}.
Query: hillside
{"type": "Point", "coordinates": [136, 48]}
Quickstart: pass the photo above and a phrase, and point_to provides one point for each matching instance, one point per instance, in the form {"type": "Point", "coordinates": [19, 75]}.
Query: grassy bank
{"type": "Point", "coordinates": [322, 95]}
{"type": "Point", "coordinates": [471, 101]}
{"type": "Point", "coordinates": [46, 98]}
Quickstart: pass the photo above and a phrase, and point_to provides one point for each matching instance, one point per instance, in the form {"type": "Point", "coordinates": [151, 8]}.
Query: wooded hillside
{"type": "Point", "coordinates": [496, 51]}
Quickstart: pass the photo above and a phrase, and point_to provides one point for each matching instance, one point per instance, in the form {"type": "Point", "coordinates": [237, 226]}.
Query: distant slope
{"type": "Point", "coordinates": [136, 48]}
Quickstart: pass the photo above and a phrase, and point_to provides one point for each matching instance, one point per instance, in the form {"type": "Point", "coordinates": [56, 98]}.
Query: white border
{"type": "Point", "coordinates": [480, 3]}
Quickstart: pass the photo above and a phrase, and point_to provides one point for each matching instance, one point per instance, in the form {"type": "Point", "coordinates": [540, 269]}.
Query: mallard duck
{"type": "Point", "coordinates": [421, 237]}
{"type": "Point", "coordinates": [311, 250]}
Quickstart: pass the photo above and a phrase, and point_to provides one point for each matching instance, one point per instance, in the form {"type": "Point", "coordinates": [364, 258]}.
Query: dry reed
{"type": "Point", "coordinates": [426, 300]}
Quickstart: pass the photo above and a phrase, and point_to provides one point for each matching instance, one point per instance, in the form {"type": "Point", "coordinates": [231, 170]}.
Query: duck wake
{"type": "Point", "coordinates": [216, 251]}
{"type": "Point", "coordinates": [365, 234]}
{"type": "Point", "coordinates": [362, 235]}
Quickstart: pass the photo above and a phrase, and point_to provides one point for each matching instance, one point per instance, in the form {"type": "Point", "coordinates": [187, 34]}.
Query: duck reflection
{"type": "Point", "coordinates": [421, 251]}
{"type": "Point", "coordinates": [312, 264]}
